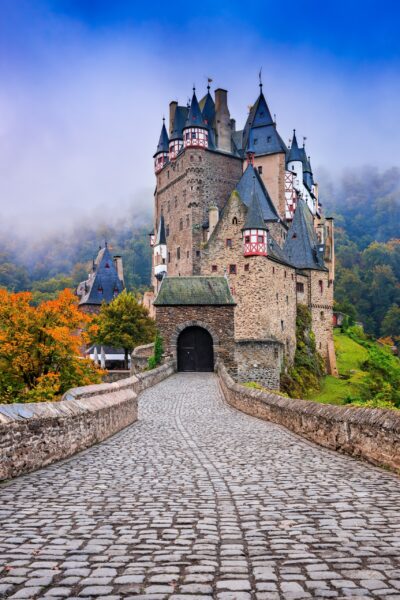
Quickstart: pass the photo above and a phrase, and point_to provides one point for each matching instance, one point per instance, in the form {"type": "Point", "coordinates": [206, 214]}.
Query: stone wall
{"type": "Point", "coordinates": [321, 307]}
{"type": "Point", "coordinates": [217, 320]}
{"type": "Point", "coordinates": [185, 189]}
{"type": "Point", "coordinates": [369, 434]}
{"type": "Point", "coordinates": [115, 375]}
{"type": "Point", "coordinates": [260, 361]}
{"type": "Point", "coordinates": [264, 289]}
{"type": "Point", "coordinates": [38, 434]}
{"type": "Point", "coordinates": [140, 358]}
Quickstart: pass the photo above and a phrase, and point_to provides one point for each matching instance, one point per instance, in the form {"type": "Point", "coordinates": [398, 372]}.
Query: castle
{"type": "Point", "coordinates": [239, 241]}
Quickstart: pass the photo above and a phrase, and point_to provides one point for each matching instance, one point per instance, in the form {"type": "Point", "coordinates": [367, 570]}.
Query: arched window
{"type": "Point", "coordinates": [234, 221]}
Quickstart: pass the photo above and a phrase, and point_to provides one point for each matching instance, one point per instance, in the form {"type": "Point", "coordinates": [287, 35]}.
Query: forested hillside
{"type": "Point", "coordinates": [366, 207]}
{"type": "Point", "coordinates": [364, 202]}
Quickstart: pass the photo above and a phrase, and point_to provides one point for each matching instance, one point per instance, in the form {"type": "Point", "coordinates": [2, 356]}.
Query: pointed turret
{"type": "Point", "coordinates": [301, 246]}
{"type": "Point", "coordinates": [207, 106]}
{"type": "Point", "coordinates": [254, 229]}
{"type": "Point", "coordinates": [161, 155]}
{"type": "Point", "coordinates": [266, 139]}
{"type": "Point", "coordinates": [104, 283]}
{"type": "Point", "coordinates": [195, 132]}
{"type": "Point", "coordinates": [295, 153]}
{"type": "Point", "coordinates": [180, 114]}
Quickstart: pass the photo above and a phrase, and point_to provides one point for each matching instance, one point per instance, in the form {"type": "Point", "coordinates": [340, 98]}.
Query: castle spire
{"type": "Point", "coordinates": [254, 229]}
{"type": "Point", "coordinates": [195, 132]}
{"type": "Point", "coordinates": [161, 155]}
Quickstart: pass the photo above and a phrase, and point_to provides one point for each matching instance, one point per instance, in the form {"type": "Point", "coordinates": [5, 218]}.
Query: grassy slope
{"type": "Point", "coordinates": [349, 356]}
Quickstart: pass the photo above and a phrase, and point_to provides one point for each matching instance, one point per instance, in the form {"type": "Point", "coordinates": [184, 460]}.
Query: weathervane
{"type": "Point", "coordinates": [259, 79]}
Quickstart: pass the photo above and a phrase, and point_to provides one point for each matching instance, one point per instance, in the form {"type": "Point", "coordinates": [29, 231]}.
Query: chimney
{"type": "Point", "coordinates": [172, 110]}
{"type": "Point", "coordinates": [223, 120]}
{"type": "Point", "coordinates": [213, 215]}
{"type": "Point", "coordinates": [119, 267]}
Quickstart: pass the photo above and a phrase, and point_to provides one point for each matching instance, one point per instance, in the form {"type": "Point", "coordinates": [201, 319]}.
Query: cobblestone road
{"type": "Point", "coordinates": [196, 501]}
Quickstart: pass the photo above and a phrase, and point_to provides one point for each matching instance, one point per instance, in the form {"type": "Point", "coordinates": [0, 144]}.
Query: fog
{"type": "Point", "coordinates": [81, 111]}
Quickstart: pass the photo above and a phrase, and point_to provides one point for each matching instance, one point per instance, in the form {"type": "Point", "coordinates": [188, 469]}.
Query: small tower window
{"type": "Point", "coordinates": [187, 254]}
{"type": "Point", "coordinates": [178, 253]}
{"type": "Point", "coordinates": [322, 315]}
{"type": "Point", "coordinates": [285, 274]}
{"type": "Point", "coordinates": [100, 289]}
{"type": "Point", "coordinates": [300, 287]}
{"type": "Point", "coordinates": [229, 243]}
{"type": "Point", "coordinates": [273, 270]}
{"type": "Point", "coordinates": [282, 325]}
{"type": "Point", "coordinates": [268, 139]}
{"type": "Point", "coordinates": [234, 221]}
{"type": "Point", "coordinates": [232, 269]}
{"type": "Point", "coordinates": [260, 239]}
{"type": "Point", "coordinates": [169, 257]}
{"type": "Point", "coordinates": [197, 253]}
{"type": "Point", "coordinates": [260, 170]}
{"type": "Point", "coordinates": [214, 268]}
{"type": "Point", "coordinates": [287, 299]}
{"type": "Point", "coordinates": [246, 267]}
{"type": "Point", "coordinates": [107, 265]}
{"type": "Point", "coordinates": [180, 224]}
{"type": "Point", "coordinates": [187, 220]}
{"type": "Point", "coordinates": [321, 286]}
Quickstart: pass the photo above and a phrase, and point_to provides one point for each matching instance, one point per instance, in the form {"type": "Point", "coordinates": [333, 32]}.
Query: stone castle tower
{"type": "Point", "coordinates": [241, 205]}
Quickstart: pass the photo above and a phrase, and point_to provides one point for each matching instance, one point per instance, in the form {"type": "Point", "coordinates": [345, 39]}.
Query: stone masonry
{"type": "Point", "coordinates": [199, 501]}
{"type": "Point", "coordinates": [185, 190]}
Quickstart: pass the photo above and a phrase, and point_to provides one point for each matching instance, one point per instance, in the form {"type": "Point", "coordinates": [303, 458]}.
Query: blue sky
{"type": "Point", "coordinates": [84, 85]}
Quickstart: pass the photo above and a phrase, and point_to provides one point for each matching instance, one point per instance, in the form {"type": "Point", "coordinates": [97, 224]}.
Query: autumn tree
{"type": "Point", "coordinates": [40, 347]}
{"type": "Point", "coordinates": [125, 323]}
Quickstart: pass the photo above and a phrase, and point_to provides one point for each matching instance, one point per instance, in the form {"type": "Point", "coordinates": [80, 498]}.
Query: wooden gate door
{"type": "Point", "coordinates": [195, 350]}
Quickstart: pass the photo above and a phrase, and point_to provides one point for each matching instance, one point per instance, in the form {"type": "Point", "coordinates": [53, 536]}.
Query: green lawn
{"type": "Point", "coordinates": [349, 357]}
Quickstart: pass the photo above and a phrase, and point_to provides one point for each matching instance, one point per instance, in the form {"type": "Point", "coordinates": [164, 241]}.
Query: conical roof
{"type": "Point", "coordinates": [161, 238]}
{"type": "Point", "coordinates": [295, 153]}
{"type": "Point", "coordinates": [249, 180]}
{"type": "Point", "coordinates": [207, 106]}
{"type": "Point", "coordinates": [180, 117]}
{"type": "Point", "coordinates": [254, 218]}
{"type": "Point", "coordinates": [163, 143]}
{"type": "Point", "coordinates": [301, 246]}
{"type": "Point", "coordinates": [195, 117]}
{"type": "Point", "coordinates": [104, 283]}
{"type": "Point", "coordinates": [265, 137]}
{"type": "Point", "coordinates": [260, 113]}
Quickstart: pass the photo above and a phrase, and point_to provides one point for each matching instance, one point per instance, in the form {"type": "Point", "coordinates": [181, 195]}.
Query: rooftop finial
{"type": "Point", "coordinates": [105, 244]}
{"type": "Point", "coordinates": [260, 80]}
{"type": "Point", "coordinates": [163, 120]}
{"type": "Point", "coordinates": [304, 141]}
{"type": "Point", "coordinates": [194, 89]}
{"type": "Point", "coordinates": [209, 80]}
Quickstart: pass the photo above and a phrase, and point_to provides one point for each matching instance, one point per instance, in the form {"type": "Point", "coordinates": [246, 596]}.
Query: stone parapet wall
{"type": "Point", "coordinates": [37, 434]}
{"type": "Point", "coordinates": [140, 358]}
{"type": "Point", "coordinates": [369, 434]}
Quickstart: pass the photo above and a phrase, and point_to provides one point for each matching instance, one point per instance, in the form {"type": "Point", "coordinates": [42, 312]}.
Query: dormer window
{"type": "Point", "coordinates": [100, 289]}
{"type": "Point", "coordinates": [107, 266]}
{"type": "Point", "coordinates": [268, 139]}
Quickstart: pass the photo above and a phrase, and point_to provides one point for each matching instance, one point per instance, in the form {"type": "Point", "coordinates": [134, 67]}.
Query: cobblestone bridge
{"type": "Point", "coordinates": [197, 500]}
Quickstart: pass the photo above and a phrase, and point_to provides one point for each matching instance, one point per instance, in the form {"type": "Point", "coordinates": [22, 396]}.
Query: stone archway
{"type": "Point", "coordinates": [195, 350]}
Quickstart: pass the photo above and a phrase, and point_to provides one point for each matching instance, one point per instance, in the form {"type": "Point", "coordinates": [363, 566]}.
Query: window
{"type": "Point", "coordinates": [232, 269]}
{"type": "Point", "coordinates": [282, 325]}
{"type": "Point", "coordinates": [200, 159]}
{"type": "Point", "coordinates": [268, 139]}
{"type": "Point", "coordinates": [300, 287]}
{"type": "Point", "coordinates": [234, 221]}
{"type": "Point", "coordinates": [255, 141]}
{"type": "Point", "coordinates": [246, 267]}
{"type": "Point", "coordinates": [229, 243]}
{"type": "Point", "coordinates": [167, 230]}
{"type": "Point", "coordinates": [197, 253]}
{"type": "Point", "coordinates": [167, 174]}
{"type": "Point", "coordinates": [260, 170]}
{"type": "Point", "coordinates": [321, 286]}
{"type": "Point", "coordinates": [276, 353]}
{"type": "Point", "coordinates": [191, 157]}
{"type": "Point", "coordinates": [277, 297]}
{"type": "Point", "coordinates": [287, 299]}
{"type": "Point", "coordinates": [107, 265]}
{"type": "Point", "coordinates": [169, 257]}
{"type": "Point", "coordinates": [193, 138]}
{"type": "Point", "coordinates": [100, 289]}
{"type": "Point", "coordinates": [322, 315]}
{"type": "Point", "coordinates": [292, 277]}
{"type": "Point", "coordinates": [260, 239]}
{"type": "Point", "coordinates": [214, 268]}
{"type": "Point", "coordinates": [187, 254]}
{"type": "Point", "coordinates": [247, 239]}
{"type": "Point", "coordinates": [273, 270]}
{"type": "Point", "coordinates": [180, 224]}
{"type": "Point", "coordinates": [178, 253]}
{"type": "Point", "coordinates": [187, 220]}
{"type": "Point", "coordinates": [285, 274]}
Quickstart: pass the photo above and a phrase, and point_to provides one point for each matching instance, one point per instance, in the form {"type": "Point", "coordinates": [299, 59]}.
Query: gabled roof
{"type": "Point", "coordinates": [163, 143]}
{"type": "Point", "coordinates": [207, 107]}
{"type": "Point", "coordinates": [103, 283]}
{"type": "Point", "coordinates": [266, 139]}
{"type": "Point", "coordinates": [260, 115]}
{"type": "Point", "coordinates": [180, 117]}
{"type": "Point", "coordinates": [195, 117]}
{"type": "Point", "coordinates": [245, 188]}
{"type": "Point", "coordinates": [194, 291]}
{"type": "Point", "coordinates": [254, 217]}
{"type": "Point", "coordinates": [161, 238]}
{"type": "Point", "coordinates": [301, 246]}
{"type": "Point", "coordinates": [295, 153]}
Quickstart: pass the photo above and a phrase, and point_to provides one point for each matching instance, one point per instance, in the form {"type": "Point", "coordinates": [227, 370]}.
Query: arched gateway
{"type": "Point", "coordinates": [195, 350]}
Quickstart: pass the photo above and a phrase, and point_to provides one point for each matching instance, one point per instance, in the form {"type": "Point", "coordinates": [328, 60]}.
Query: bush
{"type": "Point", "coordinates": [156, 358]}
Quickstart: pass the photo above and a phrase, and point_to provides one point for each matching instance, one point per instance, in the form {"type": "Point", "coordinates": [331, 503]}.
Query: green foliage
{"type": "Point", "coordinates": [305, 375]}
{"type": "Point", "coordinates": [124, 323]}
{"type": "Point", "coordinates": [391, 322]}
{"type": "Point", "coordinates": [156, 358]}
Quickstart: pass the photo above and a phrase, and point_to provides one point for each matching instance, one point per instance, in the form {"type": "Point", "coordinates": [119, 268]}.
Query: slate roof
{"type": "Point", "coordinates": [195, 117]}
{"type": "Point", "coordinates": [301, 246]}
{"type": "Point", "coordinates": [161, 238]}
{"type": "Point", "coordinates": [103, 283]}
{"type": "Point", "coordinates": [254, 217]}
{"type": "Point", "coordinates": [195, 291]}
{"type": "Point", "coordinates": [180, 117]}
{"type": "Point", "coordinates": [163, 143]}
{"type": "Point", "coordinates": [207, 107]}
{"type": "Point", "coordinates": [245, 189]}
{"type": "Point", "coordinates": [266, 139]}
{"type": "Point", "coordinates": [294, 152]}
